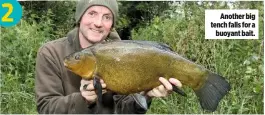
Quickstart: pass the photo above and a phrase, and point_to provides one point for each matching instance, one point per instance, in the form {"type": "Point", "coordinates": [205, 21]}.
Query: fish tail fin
{"type": "Point", "coordinates": [213, 90]}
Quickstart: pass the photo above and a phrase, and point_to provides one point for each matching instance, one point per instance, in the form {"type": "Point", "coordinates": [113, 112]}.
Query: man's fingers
{"type": "Point", "coordinates": [156, 92]}
{"type": "Point", "coordinates": [84, 81]}
{"type": "Point", "coordinates": [91, 98]}
{"type": "Point", "coordinates": [101, 81]}
{"type": "Point", "coordinates": [175, 82]}
{"type": "Point", "coordinates": [103, 85]}
{"type": "Point", "coordinates": [90, 87]}
{"type": "Point", "coordinates": [104, 91]}
{"type": "Point", "coordinates": [166, 88]}
{"type": "Point", "coordinates": [89, 93]}
{"type": "Point", "coordinates": [177, 86]}
{"type": "Point", "coordinates": [163, 91]}
{"type": "Point", "coordinates": [165, 82]}
{"type": "Point", "coordinates": [160, 91]}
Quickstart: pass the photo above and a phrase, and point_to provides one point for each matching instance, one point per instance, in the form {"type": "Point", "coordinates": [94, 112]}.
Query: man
{"type": "Point", "coordinates": [61, 91]}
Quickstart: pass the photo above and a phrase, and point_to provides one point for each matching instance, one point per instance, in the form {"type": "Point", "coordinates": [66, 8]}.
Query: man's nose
{"type": "Point", "coordinates": [98, 22]}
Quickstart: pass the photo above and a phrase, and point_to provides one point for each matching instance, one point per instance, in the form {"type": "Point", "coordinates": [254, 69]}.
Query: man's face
{"type": "Point", "coordinates": [95, 24]}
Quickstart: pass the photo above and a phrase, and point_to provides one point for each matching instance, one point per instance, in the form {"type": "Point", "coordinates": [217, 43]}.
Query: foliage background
{"type": "Point", "coordinates": [179, 24]}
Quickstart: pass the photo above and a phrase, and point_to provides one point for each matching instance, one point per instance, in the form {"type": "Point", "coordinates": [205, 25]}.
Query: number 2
{"type": "Point", "coordinates": [10, 9]}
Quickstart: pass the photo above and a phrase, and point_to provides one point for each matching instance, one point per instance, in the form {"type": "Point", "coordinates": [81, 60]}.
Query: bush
{"type": "Point", "coordinates": [19, 46]}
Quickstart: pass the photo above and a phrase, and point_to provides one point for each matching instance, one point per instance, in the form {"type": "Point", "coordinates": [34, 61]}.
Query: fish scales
{"type": "Point", "coordinates": [133, 66]}
{"type": "Point", "coordinates": [129, 68]}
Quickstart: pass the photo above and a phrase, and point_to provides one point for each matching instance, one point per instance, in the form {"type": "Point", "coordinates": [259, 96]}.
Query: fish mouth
{"type": "Point", "coordinates": [66, 65]}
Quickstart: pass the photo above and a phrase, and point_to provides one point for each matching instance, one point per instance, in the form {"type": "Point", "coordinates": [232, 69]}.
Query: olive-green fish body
{"type": "Point", "coordinates": [133, 66]}
{"type": "Point", "coordinates": [130, 67]}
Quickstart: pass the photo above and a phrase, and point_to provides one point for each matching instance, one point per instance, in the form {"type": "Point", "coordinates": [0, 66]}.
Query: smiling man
{"type": "Point", "coordinates": [95, 25]}
{"type": "Point", "coordinates": [60, 91]}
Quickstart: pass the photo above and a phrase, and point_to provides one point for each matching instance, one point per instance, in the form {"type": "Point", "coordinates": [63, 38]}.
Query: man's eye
{"type": "Point", "coordinates": [107, 17]}
{"type": "Point", "coordinates": [92, 13]}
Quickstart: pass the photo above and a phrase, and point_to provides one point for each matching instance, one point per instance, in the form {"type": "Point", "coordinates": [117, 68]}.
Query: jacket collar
{"type": "Point", "coordinates": [73, 39]}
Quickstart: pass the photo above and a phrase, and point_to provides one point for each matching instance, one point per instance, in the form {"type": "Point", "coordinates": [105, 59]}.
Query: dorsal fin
{"type": "Point", "coordinates": [151, 43]}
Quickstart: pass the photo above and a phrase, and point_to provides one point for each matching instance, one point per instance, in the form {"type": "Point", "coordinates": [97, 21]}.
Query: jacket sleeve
{"type": "Point", "coordinates": [127, 105]}
{"type": "Point", "coordinates": [50, 92]}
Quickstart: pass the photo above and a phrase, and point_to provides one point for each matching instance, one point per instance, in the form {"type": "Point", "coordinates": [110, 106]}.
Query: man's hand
{"type": "Point", "coordinates": [165, 89]}
{"type": "Point", "coordinates": [88, 91]}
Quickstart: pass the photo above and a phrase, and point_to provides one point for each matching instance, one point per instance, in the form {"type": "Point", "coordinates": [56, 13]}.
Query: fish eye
{"type": "Point", "coordinates": [77, 57]}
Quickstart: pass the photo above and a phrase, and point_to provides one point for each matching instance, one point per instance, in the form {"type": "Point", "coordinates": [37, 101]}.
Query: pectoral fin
{"type": "Point", "coordinates": [179, 91]}
{"type": "Point", "coordinates": [98, 90]}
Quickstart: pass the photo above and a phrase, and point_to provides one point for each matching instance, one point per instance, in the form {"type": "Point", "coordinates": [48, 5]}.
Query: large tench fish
{"type": "Point", "coordinates": [133, 66]}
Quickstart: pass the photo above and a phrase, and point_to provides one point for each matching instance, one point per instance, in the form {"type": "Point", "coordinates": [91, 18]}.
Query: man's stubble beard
{"type": "Point", "coordinates": [85, 36]}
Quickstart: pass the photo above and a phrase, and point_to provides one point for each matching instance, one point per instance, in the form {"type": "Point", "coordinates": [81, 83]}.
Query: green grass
{"type": "Point", "coordinates": [14, 96]}
{"type": "Point", "coordinates": [239, 61]}
{"type": "Point", "coordinates": [19, 46]}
